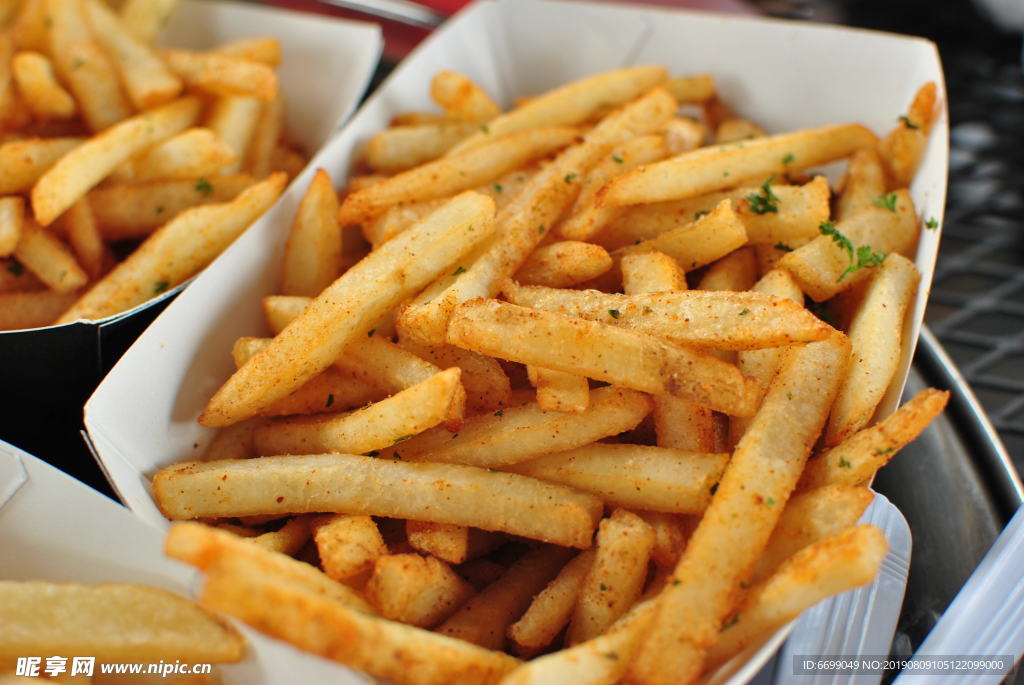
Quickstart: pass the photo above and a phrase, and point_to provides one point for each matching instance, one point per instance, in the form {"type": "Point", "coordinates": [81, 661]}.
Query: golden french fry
{"type": "Point", "coordinates": [219, 74]}
{"type": "Point", "coordinates": [734, 129]}
{"type": "Point", "coordinates": [454, 544]}
{"type": "Point", "coordinates": [751, 495]}
{"type": "Point", "coordinates": [691, 88]}
{"type": "Point", "coordinates": [233, 442]}
{"type": "Point", "coordinates": [720, 166]}
{"type": "Point", "coordinates": [487, 386]}
{"type": "Point", "coordinates": [79, 170]}
{"type": "Point", "coordinates": [519, 433]}
{"type": "Point", "coordinates": [260, 157]}
{"type": "Point", "coordinates": [347, 545]}
{"type": "Point", "coordinates": [856, 459]}
{"type": "Point", "coordinates": [195, 153]}
{"type": "Point", "coordinates": [876, 335]}
{"type": "Point", "coordinates": [902, 148]}
{"type": "Point", "coordinates": [12, 218]}
{"type": "Point", "coordinates": [286, 159]}
{"type": "Point", "coordinates": [558, 391]}
{"type": "Point", "coordinates": [289, 538]}
{"type": "Point", "coordinates": [634, 476]}
{"type": "Point", "coordinates": [837, 564]}
{"type": "Point", "coordinates": [841, 258]}
{"type": "Point", "coordinates": [563, 264]}
{"type": "Point", "coordinates": [147, 80]}
{"type": "Point", "coordinates": [419, 591]}
{"type": "Point", "coordinates": [570, 104]}
{"type": "Point", "coordinates": [403, 147]}
{"type": "Point", "coordinates": [234, 120]}
{"type": "Point", "coordinates": [359, 298]}
{"type": "Point", "coordinates": [651, 272]}
{"type": "Point", "coordinates": [683, 134]}
{"type": "Point", "coordinates": [312, 255]}
{"type": "Point", "coordinates": [175, 252]}
{"type": "Point", "coordinates": [112, 622]}
{"type": "Point", "coordinates": [32, 309]}
{"type": "Point", "coordinates": [700, 319]}
{"type": "Point", "coordinates": [616, 577]}
{"type": "Point", "coordinates": [736, 272]}
{"type": "Point", "coordinates": [863, 184]}
{"type": "Point", "coordinates": [670, 535]}
{"type": "Point", "coordinates": [38, 84]}
{"type": "Point", "coordinates": [29, 28]}
{"type": "Point", "coordinates": [615, 355]}
{"type": "Point", "coordinates": [145, 18]}
{"type": "Point", "coordinates": [23, 162]}
{"type": "Point", "coordinates": [47, 257]}
{"type": "Point", "coordinates": [455, 173]}
{"type": "Point", "coordinates": [485, 618]}
{"type": "Point", "coordinates": [266, 50]}
{"type": "Point", "coordinates": [552, 608]}
{"type": "Point", "coordinates": [83, 65]}
{"type": "Point", "coordinates": [378, 487]}
{"type": "Point", "coordinates": [84, 236]}
{"type": "Point", "coordinates": [461, 98]}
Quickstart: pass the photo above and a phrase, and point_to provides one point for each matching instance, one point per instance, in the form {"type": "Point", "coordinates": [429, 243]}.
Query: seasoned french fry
{"type": "Point", "coordinates": [177, 251]}
{"type": "Point", "coordinates": [312, 255]}
{"type": "Point", "coordinates": [559, 391]}
{"type": "Point", "coordinates": [485, 618]}
{"type": "Point", "coordinates": [615, 355]}
{"type": "Point", "coordinates": [563, 264]}
{"type": "Point", "coordinates": [233, 442]}
{"type": "Point", "coordinates": [286, 159]}
{"type": "Point", "coordinates": [616, 577]}
{"type": "Point", "coordinates": [876, 335]}
{"type": "Point", "coordinates": [856, 459]}
{"type": "Point", "coordinates": [38, 84]}
{"type": "Point", "coordinates": [192, 154]}
{"type": "Point", "coordinates": [720, 166]}
{"type": "Point", "coordinates": [145, 18]}
{"type": "Point", "coordinates": [734, 129]}
{"type": "Point", "coordinates": [689, 612]}
{"type": "Point", "coordinates": [737, 271]}
{"type": "Point", "coordinates": [84, 236]}
{"type": "Point", "coordinates": [552, 608]}
{"type": "Point", "coordinates": [519, 433]}
{"type": "Point", "coordinates": [23, 162]}
{"type": "Point", "coordinates": [79, 170]}
{"type": "Point", "coordinates": [47, 257]}
{"type": "Point", "coordinates": [454, 544]}
{"type": "Point", "coordinates": [289, 538]}
{"type": "Point", "coordinates": [419, 591]}
{"type": "Point", "coordinates": [348, 545]}
{"type": "Point", "coordinates": [266, 50]}
{"type": "Point", "coordinates": [651, 272]}
{"type": "Point", "coordinates": [260, 157]}
{"type": "Point", "coordinates": [571, 104]}
{"type": "Point", "coordinates": [902, 148]}
{"type": "Point", "coordinates": [359, 298]}
{"type": "Point", "coordinates": [84, 67]}
{"type": "Point", "coordinates": [234, 120]}
{"type": "Point", "coordinates": [670, 535]}
{"type": "Point", "coordinates": [827, 265]}
{"type": "Point", "coordinates": [12, 218]}
{"type": "Point", "coordinates": [827, 568]}
{"type": "Point", "coordinates": [635, 476]}
{"type": "Point", "coordinates": [219, 74]}
{"type": "Point", "coordinates": [863, 184]}
{"type": "Point", "coordinates": [691, 88]}
{"type": "Point", "coordinates": [378, 487]}
{"type": "Point", "coordinates": [455, 173]}
{"type": "Point", "coordinates": [147, 80]}
{"type": "Point", "coordinates": [333, 390]}
{"type": "Point", "coordinates": [460, 98]}
{"type": "Point", "coordinates": [403, 147]}
{"type": "Point", "coordinates": [32, 309]}
{"type": "Point", "coordinates": [683, 134]}
{"type": "Point", "coordinates": [714, 320]}
{"type": "Point", "coordinates": [487, 386]}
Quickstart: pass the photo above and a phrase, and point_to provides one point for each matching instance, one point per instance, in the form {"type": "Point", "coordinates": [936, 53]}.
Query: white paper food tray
{"type": "Point", "coordinates": [52, 527]}
{"type": "Point", "coordinates": [783, 75]}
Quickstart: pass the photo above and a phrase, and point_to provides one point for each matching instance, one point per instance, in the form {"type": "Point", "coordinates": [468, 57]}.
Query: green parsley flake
{"type": "Point", "coordinates": [203, 186]}
{"type": "Point", "coordinates": [541, 229]}
{"type": "Point", "coordinates": [676, 581]}
{"type": "Point", "coordinates": [843, 464]}
{"type": "Point", "coordinates": [160, 286]}
{"type": "Point", "coordinates": [614, 313]}
{"type": "Point", "coordinates": [460, 270]}
{"type": "Point", "coordinates": [401, 439]}
{"type": "Point", "coordinates": [396, 455]}
{"type": "Point", "coordinates": [907, 122]}
{"type": "Point", "coordinates": [617, 159]}
{"type": "Point", "coordinates": [880, 451]}
{"type": "Point", "coordinates": [330, 400]}
{"type": "Point", "coordinates": [764, 201]}
{"type": "Point", "coordinates": [862, 258]}
{"type": "Point", "coordinates": [770, 501]}
{"type": "Point", "coordinates": [373, 453]}
{"type": "Point", "coordinates": [15, 269]}
{"type": "Point", "coordinates": [611, 655]}
{"type": "Point", "coordinates": [498, 188]}
{"type": "Point", "coordinates": [789, 395]}
{"type": "Point", "coordinates": [744, 312]}
{"type": "Point", "coordinates": [701, 213]}
{"type": "Point", "coordinates": [886, 201]}
{"type": "Point", "coordinates": [454, 435]}
{"type": "Point", "coordinates": [789, 158]}
{"type": "Point", "coordinates": [370, 333]}
{"type": "Point", "coordinates": [714, 488]}
{"type": "Point", "coordinates": [569, 178]}
{"type": "Point", "coordinates": [931, 223]}
{"type": "Point", "coordinates": [604, 588]}
{"type": "Point", "coordinates": [732, 621]}
{"type": "Point", "coordinates": [500, 412]}
{"type": "Point", "coordinates": [483, 127]}
{"type": "Point", "coordinates": [783, 246]}
{"type": "Point", "coordinates": [160, 210]}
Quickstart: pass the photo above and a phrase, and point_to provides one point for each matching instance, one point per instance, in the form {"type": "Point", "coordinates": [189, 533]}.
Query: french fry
{"type": "Point", "coordinates": [454, 544]}
{"type": "Point", "coordinates": [195, 153]}
{"type": "Point", "coordinates": [79, 170]}
{"type": "Point", "coordinates": [843, 562]}
{"type": "Point", "coordinates": [85, 68]}
{"type": "Point", "coordinates": [559, 391]}
{"type": "Point", "coordinates": [134, 211]}
{"type": "Point", "coordinates": [260, 157]}
{"type": "Point", "coordinates": [616, 577]}
{"type": "Point", "coordinates": [735, 129]}
{"type": "Point", "coordinates": [38, 84]}
{"type": "Point", "coordinates": [396, 219]}
{"type": "Point", "coordinates": [461, 98]}
{"type": "Point", "coordinates": [181, 248]}
{"type": "Point", "coordinates": [233, 442]}
{"type": "Point", "coordinates": [12, 218]}
{"type": "Point", "coordinates": [85, 239]}
{"type": "Point", "coordinates": [403, 147]}
{"type": "Point", "coordinates": [312, 255]}
{"type": "Point", "coordinates": [378, 487]}
{"type": "Point", "coordinates": [347, 545]}
{"type": "Point", "coordinates": [23, 162]}
{"type": "Point", "coordinates": [289, 538]}
{"type": "Point", "coordinates": [519, 433]}
{"type": "Point", "coordinates": [687, 89]}
{"type": "Point", "coordinates": [713, 320]}
{"type": "Point", "coordinates": [33, 309]}
{"type": "Point", "coordinates": [485, 618]}
{"type": "Point", "coordinates": [487, 386]}
{"type": "Point", "coordinates": [47, 257]}
{"type": "Point", "coordinates": [634, 476]}
{"type": "Point", "coordinates": [863, 183]}
{"type": "Point", "coordinates": [266, 50]}
{"type": "Point", "coordinates": [286, 159]}
{"type": "Point", "coordinates": [824, 268]}
{"type": "Point", "coordinates": [419, 591]}
{"type": "Point", "coordinates": [14, 278]}
{"type": "Point", "coordinates": [384, 649]}
{"type": "Point", "coordinates": [147, 80]}
{"type": "Point", "coordinates": [552, 608]}
{"type": "Point", "coordinates": [570, 104]}
{"type": "Point", "coordinates": [219, 74]}
{"type": "Point", "coordinates": [145, 18]}
{"type": "Point", "coordinates": [902, 148]}
{"type": "Point", "coordinates": [719, 166]}
{"type": "Point", "coordinates": [735, 272]}
{"type": "Point", "coordinates": [454, 173]}
{"type": "Point", "coordinates": [207, 548]}
{"type": "Point", "coordinates": [651, 272]}
{"type": "Point", "coordinates": [29, 28]}
{"type": "Point", "coordinates": [525, 221]}
{"type": "Point", "coordinates": [670, 535]}
{"type": "Point", "coordinates": [856, 459]}
{"type": "Point", "coordinates": [234, 120]}
{"type": "Point", "coordinates": [376, 426]}
{"type": "Point", "coordinates": [111, 621]}
{"type": "Point", "coordinates": [359, 298]}
{"type": "Point", "coordinates": [615, 355]}
{"type": "Point", "coordinates": [876, 335]}
{"type": "Point", "coordinates": [689, 612]}
{"type": "Point", "coordinates": [563, 264]}
{"type": "Point", "coordinates": [683, 134]}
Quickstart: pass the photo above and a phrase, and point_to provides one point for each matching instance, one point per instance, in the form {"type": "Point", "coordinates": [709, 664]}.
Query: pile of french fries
{"type": "Point", "coordinates": [108, 142]}
{"type": "Point", "coordinates": [567, 418]}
